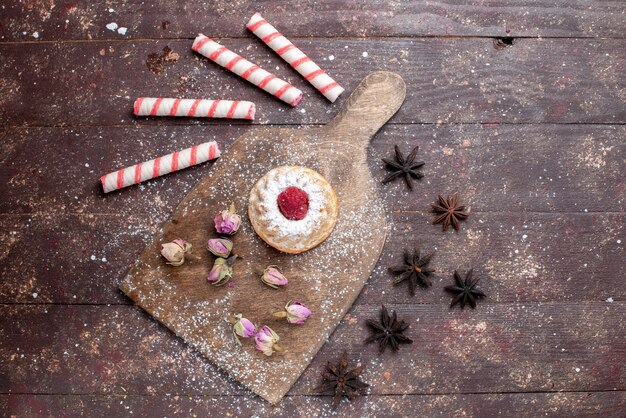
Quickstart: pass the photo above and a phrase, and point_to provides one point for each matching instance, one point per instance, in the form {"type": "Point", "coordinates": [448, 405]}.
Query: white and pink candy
{"type": "Point", "coordinates": [160, 166]}
{"type": "Point", "coordinates": [247, 70]}
{"type": "Point", "coordinates": [296, 58]}
{"type": "Point", "coordinates": [199, 108]}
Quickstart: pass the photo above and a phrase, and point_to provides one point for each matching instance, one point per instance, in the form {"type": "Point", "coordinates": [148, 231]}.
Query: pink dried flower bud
{"type": "Point", "coordinates": [174, 252]}
{"type": "Point", "coordinates": [267, 341]}
{"type": "Point", "coordinates": [227, 221]}
{"type": "Point", "coordinates": [243, 327]}
{"type": "Point", "coordinates": [220, 247]}
{"type": "Point", "coordinates": [222, 271]}
{"type": "Point", "coordinates": [273, 277]}
{"type": "Point", "coordinates": [295, 312]}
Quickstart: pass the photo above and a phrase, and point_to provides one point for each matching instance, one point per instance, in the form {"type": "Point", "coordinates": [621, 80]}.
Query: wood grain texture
{"type": "Point", "coordinates": [579, 404]}
{"type": "Point", "coordinates": [456, 80]}
{"type": "Point", "coordinates": [187, 304]}
{"type": "Point", "coordinates": [555, 168]}
{"type": "Point", "coordinates": [513, 347]}
{"type": "Point", "coordinates": [520, 257]}
{"type": "Point", "coordinates": [166, 19]}
{"type": "Point", "coordinates": [531, 134]}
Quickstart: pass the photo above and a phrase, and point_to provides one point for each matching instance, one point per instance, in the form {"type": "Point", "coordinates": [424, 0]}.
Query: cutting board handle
{"type": "Point", "coordinates": [375, 100]}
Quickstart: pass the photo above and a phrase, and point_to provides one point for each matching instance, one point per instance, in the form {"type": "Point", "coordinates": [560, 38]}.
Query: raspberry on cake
{"type": "Point", "coordinates": [293, 202]}
{"type": "Point", "coordinates": [293, 208]}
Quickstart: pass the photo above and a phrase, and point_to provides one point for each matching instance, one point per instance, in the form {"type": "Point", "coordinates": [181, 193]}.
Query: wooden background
{"type": "Point", "coordinates": [531, 134]}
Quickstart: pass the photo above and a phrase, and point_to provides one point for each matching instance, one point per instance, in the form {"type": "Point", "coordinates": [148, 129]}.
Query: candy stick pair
{"type": "Point", "coordinates": [160, 166]}
{"type": "Point", "coordinates": [247, 70]}
{"type": "Point", "coordinates": [201, 108]}
{"type": "Point", "coordinates": [294, 57]}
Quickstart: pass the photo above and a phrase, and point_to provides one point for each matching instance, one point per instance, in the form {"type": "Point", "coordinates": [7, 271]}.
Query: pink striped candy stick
{"type": "Point", "coordinates": [247, 70]}
{"type": "Point", "coordinates": [296, 58]}
{"type": "Point", "coordinates": [200, 108]}
{"type": "Point", "coordinates": [160, 166]}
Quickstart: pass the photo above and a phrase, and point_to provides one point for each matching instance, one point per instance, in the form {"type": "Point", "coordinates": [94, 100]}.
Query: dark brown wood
{"type": "Point", "coordinates": [88, 20]}
{"type": "Point", "coordinates": [531, 134]}
{"type": "Point", "coordinates": [528, 168]}
{"type": "Point", "coordinates": [82, 349]}
{"type": "Point", "coordinates": [76, 259]}
{"type": "Point", "coordinates": [177, 297]}
{"type": "Point", "coordinates": [560, 257]}
{"type": "Point", "coordinates": [455, 80]}
{"type": "Point", "coordinates": [518, 257]}
{"type": "Point", "coordinates": [513, 347]}
{"type": "Point", "coordinates": [606, 404]}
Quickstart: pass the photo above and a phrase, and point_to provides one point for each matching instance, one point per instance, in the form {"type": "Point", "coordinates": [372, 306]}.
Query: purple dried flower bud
{"type": "Point", "coordinates": [220, 247]}
{"type": "Point", "coordinates": [243, 327]}
{"type": "Point", "coordinates": [227, 221]}
{"type": "Point", "coordinates": [266, 341]}
{"type": "Point", "coordinates": [222, 271]}
{"type": "Point", "coordinates": [273, 277]}
{"type": "Point", "coordinates": [297, 312]}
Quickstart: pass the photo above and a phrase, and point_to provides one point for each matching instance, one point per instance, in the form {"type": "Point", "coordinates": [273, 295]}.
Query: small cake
{"type": "Point", "coordinates": [293, 208]}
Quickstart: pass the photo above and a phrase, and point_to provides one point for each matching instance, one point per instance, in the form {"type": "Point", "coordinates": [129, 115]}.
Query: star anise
{"type": "Point", "coordinates": [415, 270]}
{"type": "Point", "coordinates": [465, 291]}
{"type": "Point", "coordinates": [341, 381]}
{"type": "Point", "coordinates": [406, 167]}
{"type": "Point", "coordinates": [449, 211]}
{"type": "Point", "coordinates": [389, 331]}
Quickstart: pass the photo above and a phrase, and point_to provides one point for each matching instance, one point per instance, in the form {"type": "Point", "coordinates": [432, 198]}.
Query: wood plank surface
{"type": "Point", "coordinates": [166, 19]}
{"type": "Point", "coordinates": [454, 80]}
{"type": "Point", "coordinates": [531, 134]}
{"type": "Point", "coordinates": [513, 347]}
{"type": "Point", "coordinates": [523, 257]}
{"type": "Point", "coordinates": [578, 404]}
{"type": "Point", "coordinates": [527, 168]}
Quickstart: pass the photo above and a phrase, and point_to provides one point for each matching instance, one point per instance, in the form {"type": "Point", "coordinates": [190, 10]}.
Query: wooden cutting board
{"type": "Point", "coordinates": [327, 279]}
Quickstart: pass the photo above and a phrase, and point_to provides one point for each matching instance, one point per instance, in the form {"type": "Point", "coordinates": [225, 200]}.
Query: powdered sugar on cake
{"type": "Point", "coordinates": [275, 226]}
{"type": "Point", "coordinates": [272, 184]}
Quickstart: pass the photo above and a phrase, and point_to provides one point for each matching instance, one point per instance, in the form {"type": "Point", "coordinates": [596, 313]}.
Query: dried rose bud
{"type": "Point", "coordinates": [227, 221]}
{"type": "Point", "coordinates": [266, 341]}
{"type": "Point", "coordinates": [273, 277]}
{"type": "Point", "coordinates": [243, 327]}
{"type": "Point", "coordinates": [222, 271]}
{"type": "Point", "coordinates": [174, 252]}
{"type": "Point", "coordinates": [295, 312]}
{"type": "Point", "coordinates": [220, 247]}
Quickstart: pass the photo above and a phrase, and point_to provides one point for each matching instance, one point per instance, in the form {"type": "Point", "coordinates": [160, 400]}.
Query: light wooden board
{"type": "Point", "coordinates": [327, 278]}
